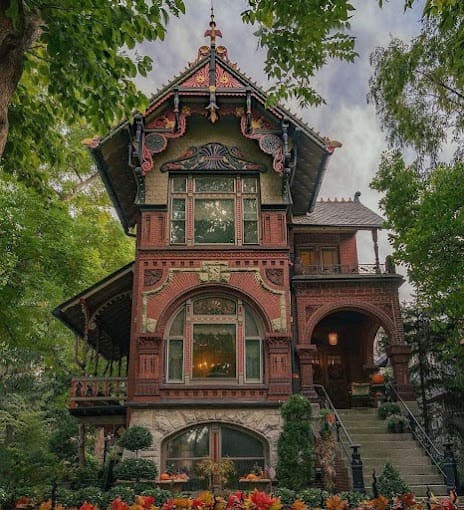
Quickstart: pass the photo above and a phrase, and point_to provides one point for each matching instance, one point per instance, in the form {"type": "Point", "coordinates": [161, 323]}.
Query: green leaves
{"type": "Point", "coordinates": [426, 215]}
{"type": "Point", "coordinates": [300, 37]}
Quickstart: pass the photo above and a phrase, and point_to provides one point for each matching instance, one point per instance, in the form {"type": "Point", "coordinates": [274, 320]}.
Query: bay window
{"type": "Point", "coordinates": [213, 207]}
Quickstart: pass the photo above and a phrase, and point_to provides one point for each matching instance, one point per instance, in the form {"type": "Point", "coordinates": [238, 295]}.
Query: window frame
{"type": "Point", "coordinates": [239, 196]}
{"type": "Point", "coordinates": [239, 320]}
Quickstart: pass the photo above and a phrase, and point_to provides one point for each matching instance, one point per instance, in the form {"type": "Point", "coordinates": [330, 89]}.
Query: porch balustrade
{"type": "Point", "coordinates": [359, 269]}
{"type": "Point", "coordinates": [98, 391]}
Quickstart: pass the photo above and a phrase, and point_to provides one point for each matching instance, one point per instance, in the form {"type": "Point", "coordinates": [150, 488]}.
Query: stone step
{"type": "Point", "coordinates": [413, 479]}
{"type": "Point", "coordinates": [421, 490]}
{"type": "Point", "coordinates": [386, 452]}
{"type": "Point", "coordinates": [364, 438]}
{"type": "Point", "coordinates": [379, 446]}
{"type": "Point", "coordinates": [419, 469]}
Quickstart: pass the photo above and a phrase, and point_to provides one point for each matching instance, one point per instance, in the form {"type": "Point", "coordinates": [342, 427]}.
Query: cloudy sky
{"type": "Point", "coordinates": [346, 117]}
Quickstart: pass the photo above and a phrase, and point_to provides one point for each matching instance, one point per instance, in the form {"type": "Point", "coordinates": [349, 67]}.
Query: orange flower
{"type": "Point", "coordinates": [380, 503]}
{"type": "Point", "coordinates": [299, 505]}
{"type": "Point", "coordinates": [145, 501]}
{"type": "Point", "coordinates": [46, 505]}
{"type": "Point", "coordinates": [335, 503]}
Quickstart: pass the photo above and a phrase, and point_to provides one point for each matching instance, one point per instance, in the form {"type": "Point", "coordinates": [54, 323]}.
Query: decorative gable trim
{"type": "Point", "coordinates": [212, 156]}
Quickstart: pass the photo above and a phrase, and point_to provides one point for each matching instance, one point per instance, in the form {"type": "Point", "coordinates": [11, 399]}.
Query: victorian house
{"type": "Point", "coordinates": [244, 288]}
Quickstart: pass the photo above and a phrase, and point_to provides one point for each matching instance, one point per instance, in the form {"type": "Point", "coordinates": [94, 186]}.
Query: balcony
{"type": "Point", "coordinates": [341, 269]}
{"type": "Point", "coordinates": [98, 395]}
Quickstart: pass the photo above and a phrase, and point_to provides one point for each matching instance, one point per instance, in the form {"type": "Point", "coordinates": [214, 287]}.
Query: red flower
{"type": "Point", "coordinates": [87, 506]}
{"type": "Point", "coordinates": [261, 500]}
{"type": "Point", "coordinates": [119, 504]}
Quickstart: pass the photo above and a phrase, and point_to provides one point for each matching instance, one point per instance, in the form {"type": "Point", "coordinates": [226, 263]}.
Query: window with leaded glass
{"type": "Point", "coordinates": [209, 206]}
{"type": "Point", "coordinates": [205, 339]}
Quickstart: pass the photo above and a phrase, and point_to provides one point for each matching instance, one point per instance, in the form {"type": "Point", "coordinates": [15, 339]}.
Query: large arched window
{"type": "Point", "coordinates": [214, 441]}
{"type": "Point", "coordinates": [214, 338]}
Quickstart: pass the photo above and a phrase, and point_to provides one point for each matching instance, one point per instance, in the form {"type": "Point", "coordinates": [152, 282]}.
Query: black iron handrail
{"type": "Point", "coordinates": [419, 433]}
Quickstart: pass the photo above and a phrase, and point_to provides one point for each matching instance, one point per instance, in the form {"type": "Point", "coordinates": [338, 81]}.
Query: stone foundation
{"type": "Point", "coordinates": [162, 423]}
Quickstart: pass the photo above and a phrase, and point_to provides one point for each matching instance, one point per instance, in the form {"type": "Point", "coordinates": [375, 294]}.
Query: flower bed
{"type": "Point", "coordinates": [259, 500]}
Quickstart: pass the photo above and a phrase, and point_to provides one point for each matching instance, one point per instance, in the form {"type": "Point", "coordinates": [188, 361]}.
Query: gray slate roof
{"type": "Point", "coordinates": [340, 213]}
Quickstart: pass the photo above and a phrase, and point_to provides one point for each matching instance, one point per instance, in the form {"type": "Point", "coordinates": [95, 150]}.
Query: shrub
{"type": "Point", "coordinates": [136, 438]}
{"type": "Point", "coordinates": [135, 469]}
{"type": "Point", "coordinates": [390, 482]}
{"type": "Point", "coordinates": [92, 495]}
{"type": "Point", "coordinates": [127, 494]}
{"type": "Point", "coordinates": [353, 498]}
{"type": "Point", "coordinates": [160, 495]}
{"type": "Point", "coordinates": [314, 498]}
{"type": "Point", "coordinates": [396, 423]}
{"type": "Point", "coordinates": [68, 497]}
{"type": "Point", "coordinates": [287, 496]}
{"type": "Point", "coordinates": [387, 409]}
{"type": "Point", "coordinates": [295, 446]}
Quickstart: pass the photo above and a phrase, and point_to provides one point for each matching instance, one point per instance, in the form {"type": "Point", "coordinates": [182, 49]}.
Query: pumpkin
{"type": "Point", "coordinates": [377, 378]}
{"type": "Point", "coordinates": [165, 476]}
{"type": "Point", "coordinates": [251, 476]}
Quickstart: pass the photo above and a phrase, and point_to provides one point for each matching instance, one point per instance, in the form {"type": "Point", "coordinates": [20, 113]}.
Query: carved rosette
{"type": "Point", "coordinates": [275, 276]}
{"type": "Point", "coordinates": [151, 277]}
{"type": "Point", "coordinates": [269, 143]}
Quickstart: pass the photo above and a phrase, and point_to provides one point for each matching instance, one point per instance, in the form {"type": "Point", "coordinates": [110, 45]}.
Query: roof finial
{"type": "Point", "coordinates": [212, 33]}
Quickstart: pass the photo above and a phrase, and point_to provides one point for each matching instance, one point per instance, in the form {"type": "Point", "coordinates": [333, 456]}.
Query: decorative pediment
{"type": "Point", "coordinates": [223, 79]}
{"type": "Point", "coordinates": [212, 156]}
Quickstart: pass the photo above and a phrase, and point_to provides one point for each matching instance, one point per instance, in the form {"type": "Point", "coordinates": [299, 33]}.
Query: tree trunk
{"type": "Point", "coordinates": [15, 39]}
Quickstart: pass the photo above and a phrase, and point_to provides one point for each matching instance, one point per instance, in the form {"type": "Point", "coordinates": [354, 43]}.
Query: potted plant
{"type": "Point", "coordinates": [387, 409]}
{"type": "Point", "coordinates": [397, 423]}
{"type": "Point", "coordinates": [216, 473]}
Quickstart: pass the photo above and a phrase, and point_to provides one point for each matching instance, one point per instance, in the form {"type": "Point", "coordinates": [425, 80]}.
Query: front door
{"type": "Point", "coordinates": [330, 370]}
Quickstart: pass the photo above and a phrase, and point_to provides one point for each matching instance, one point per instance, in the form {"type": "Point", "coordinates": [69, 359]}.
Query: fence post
{"type": "Point", "coordinates": [450, 468]}
{"type": "Point", "coordinates": [357, 470]}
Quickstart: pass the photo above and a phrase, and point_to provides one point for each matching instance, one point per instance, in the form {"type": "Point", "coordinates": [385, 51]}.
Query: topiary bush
{"type": "Point", "coordinates": [390, 482]}
{"type": "Point", "coordinates": [135, 469]}
{"type": "Point", "coordinates": [295, 445]}
{"type": "Point", "coordinates": [136, 438]}
{"type": "Point", "coordinates": [387, 409]}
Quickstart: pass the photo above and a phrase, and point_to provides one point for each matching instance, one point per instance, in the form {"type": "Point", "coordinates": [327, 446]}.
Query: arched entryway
{"type": "Point", "coordinates": [205, 446]}
{"type": "Point", "coordinates": [344, 352]}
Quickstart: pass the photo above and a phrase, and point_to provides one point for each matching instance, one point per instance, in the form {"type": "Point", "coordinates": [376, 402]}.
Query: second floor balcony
{"type": "Point", "coordinates": [343, 269]}
{"type": "Point", "coordinates": [98, 392]}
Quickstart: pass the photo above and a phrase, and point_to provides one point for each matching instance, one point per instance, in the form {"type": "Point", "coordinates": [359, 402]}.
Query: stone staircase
{"type": "Point", "coordinates": [379, 446]}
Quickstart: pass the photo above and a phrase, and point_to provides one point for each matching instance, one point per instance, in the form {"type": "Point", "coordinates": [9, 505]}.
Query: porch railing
{"type": "Point", "coordinates": [359, 269]}
{"type": "Point", "coordinates": [344, 439]}
{"type": "Point", "coordinates": [98, 391]}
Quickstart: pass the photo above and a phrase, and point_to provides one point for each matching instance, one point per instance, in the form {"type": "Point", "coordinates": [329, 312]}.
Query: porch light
{"type": "Point", "coordinates": [333, 338]}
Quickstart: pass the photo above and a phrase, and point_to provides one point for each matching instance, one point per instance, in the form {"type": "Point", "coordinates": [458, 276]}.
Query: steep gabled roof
{"type": "Point", "coordinates": [340, 213]}
{"type": "Point", "coordinates": [112, 153]}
